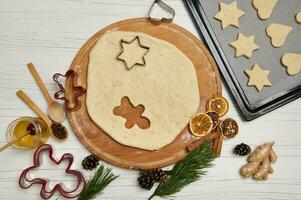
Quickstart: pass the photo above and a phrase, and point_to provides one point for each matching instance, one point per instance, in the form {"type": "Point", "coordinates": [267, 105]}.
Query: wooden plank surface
{"type": "Point", "coordinates": [50, 32]}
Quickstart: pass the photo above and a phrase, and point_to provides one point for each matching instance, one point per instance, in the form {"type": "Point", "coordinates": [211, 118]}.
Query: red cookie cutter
{"type": "Point", "coordinates": [45, 193]}
{"type": "Point", "coordinates": [74, 91]}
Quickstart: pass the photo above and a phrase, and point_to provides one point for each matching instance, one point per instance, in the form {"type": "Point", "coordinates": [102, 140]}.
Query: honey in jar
{"type": "Point", "coordinates": [36, 128]}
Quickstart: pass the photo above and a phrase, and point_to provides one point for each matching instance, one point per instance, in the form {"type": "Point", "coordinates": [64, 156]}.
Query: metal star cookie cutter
{"type": "Point", "coordinates": [25, 182]}
{"type": "Point", "coordinates": [72, 102]}
{"type": "Point", "coordinates": [122, 51]}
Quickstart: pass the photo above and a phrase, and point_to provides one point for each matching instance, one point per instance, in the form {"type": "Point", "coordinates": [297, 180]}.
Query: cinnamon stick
{"type": "Point", "coordinates": [217, 144]}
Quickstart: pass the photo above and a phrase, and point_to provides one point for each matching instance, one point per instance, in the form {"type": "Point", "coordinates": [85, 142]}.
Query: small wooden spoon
{"type": "Point", "coordinates": [50, 125]}
{"type": "Point", "coordinates": [35, 108]}
{"type": "Point", "coordinates": [11, 143]}
{"type": "Point", "coordinates": [55, 111]}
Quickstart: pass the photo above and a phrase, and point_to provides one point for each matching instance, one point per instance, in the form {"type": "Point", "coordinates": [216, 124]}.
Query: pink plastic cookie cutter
{"type": "Point", "coordinates": [72, 92]}
{"type": "Point", "coordinates": [26, 182]}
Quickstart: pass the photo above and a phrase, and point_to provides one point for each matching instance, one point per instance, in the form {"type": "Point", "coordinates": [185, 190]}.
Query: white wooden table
{"type": "Point", "coordinates": [50, 32]}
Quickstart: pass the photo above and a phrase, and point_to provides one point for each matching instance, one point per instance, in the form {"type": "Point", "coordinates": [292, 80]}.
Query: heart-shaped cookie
{"type": "Point", "coordinates": [298, 17]}
{"type": "Point", "coordinates": [264, 8]}
{"type": "Point", "coordinates": [292, 62]}
{"type": "Point", "coordinates": [278, 33]}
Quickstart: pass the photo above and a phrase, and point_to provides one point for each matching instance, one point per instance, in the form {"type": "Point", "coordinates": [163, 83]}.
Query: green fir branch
{"type": "Point", "coordinates": [102, 178]}
{"type": "Point", "coordinates": [186, 171]}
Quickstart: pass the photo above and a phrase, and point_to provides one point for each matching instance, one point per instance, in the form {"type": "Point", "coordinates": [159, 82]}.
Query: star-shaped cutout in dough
{"type": "Point", "coordinates": [132, 53]}
{"type": "Point", "coordinates": [258, 77]}
{"type": "Point", "coordinates": [229, 14]}
{"type": "Point", "coordinates": [244, 46]}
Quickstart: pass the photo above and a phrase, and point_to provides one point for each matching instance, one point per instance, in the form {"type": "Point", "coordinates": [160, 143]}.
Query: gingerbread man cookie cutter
{"type": "Point", "coordinates": [26, 182]}
{"type": "Point", "coordinates": [71, 94]}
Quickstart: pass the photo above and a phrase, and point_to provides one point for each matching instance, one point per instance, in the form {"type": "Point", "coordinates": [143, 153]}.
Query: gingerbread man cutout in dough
{"type": "Point", "coordinates": [132, 114]}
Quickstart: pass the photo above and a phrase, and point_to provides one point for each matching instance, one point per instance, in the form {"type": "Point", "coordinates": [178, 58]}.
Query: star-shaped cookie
{"type": "Point", "coordinates": [229, 14]}
{"type": "Point", "coordinates": [132, 53]}
{"type": "Point", "coordinates": [258, 77]}
{"type": "Point", "coordinates": [244, 46]}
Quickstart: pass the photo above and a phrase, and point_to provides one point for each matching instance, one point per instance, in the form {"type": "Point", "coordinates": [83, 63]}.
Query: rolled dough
{"type": "Point", "coordinates": [166, 86]}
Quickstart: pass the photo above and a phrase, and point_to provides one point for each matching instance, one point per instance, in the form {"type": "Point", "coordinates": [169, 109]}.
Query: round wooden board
{"type": "Point", "coordinates": [99, 143]}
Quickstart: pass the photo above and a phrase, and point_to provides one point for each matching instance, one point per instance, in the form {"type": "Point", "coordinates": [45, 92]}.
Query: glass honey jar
{"type": "Point", "coordinates": [36, 128]}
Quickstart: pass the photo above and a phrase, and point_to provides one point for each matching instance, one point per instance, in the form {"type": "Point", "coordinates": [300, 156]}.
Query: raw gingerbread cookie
{"type": "Point", "coordinates": [244, 46]}
{"type": "Point", "coordinates": [258, 77]}
{"type": "Point", "coordinates": [298, 17]}
{"type": "Point", "coordinates": [292, 62]}
{"type": "Point", "coordinates": [278, 33]}
{"type": "Point", "coordinates": [264, 8]}
{"type": "Point", "coordinates": [229, 14]}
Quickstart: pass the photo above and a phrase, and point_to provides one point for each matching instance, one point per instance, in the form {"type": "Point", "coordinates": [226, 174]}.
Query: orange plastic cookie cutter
{"type": "Point", "coordinates": [71, 94]}
{"type": "Point", "coordinates": [26, 182]}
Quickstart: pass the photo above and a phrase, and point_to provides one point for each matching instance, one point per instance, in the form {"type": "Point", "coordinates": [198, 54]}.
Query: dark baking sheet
{"type": "Point", "coordinates": [284, 88]}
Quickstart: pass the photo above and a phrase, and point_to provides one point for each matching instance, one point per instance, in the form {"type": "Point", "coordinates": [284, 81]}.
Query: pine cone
{"type": "Point", "coordinates": [146, 182]}
{"type": "Point", "coordinates": [90, 162]}
{"type": "Point", "coordinates": [242, 149]}
{"type": "Point", "coordinates": [159, 175]}
{"type": "Point", "coordinates": [147, 178]}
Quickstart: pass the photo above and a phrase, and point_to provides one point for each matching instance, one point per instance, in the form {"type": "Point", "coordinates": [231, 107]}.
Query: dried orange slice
{"type": "Point", "coordinates": [229, 128]}
{"type": "Point", "coordinates": [201, 124]}
{"type": "Point", "coordinates": [219, 105]}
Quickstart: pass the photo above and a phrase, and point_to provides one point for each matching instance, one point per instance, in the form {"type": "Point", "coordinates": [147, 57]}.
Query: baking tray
{"type": "Point", "coordinates": [284, 88]}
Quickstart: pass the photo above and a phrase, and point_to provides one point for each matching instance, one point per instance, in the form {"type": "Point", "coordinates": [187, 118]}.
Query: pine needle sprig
{"type": "Point", "coordinates": [186, 171]}
{"type": "Point", "coordinates": [102, 178]}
